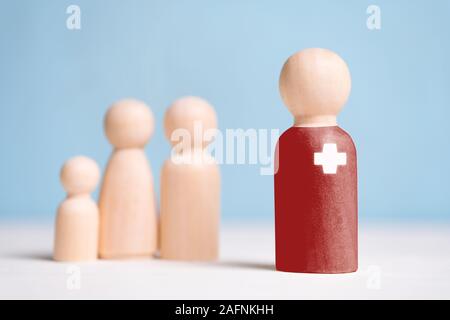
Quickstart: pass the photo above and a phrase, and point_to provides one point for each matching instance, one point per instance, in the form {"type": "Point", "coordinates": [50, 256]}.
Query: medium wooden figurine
{"type": "Point", "coordinates": [128, 219]}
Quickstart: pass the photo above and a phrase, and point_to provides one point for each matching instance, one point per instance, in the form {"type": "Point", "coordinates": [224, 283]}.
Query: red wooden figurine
{"type": "Point", "coordinates": [316, 223]}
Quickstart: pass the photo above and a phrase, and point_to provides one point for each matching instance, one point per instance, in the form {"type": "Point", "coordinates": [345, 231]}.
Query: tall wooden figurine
{"type": "Point", "coordinates": [128, 220]}
{"type": "Point", "coordinates": [315, 172]}
{"type": "Point", "coordinates": [190, 184]}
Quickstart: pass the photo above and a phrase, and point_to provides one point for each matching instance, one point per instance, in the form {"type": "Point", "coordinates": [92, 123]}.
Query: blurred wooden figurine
{"type": "Point", "coordinates": [190, 184]}
{"type": "Point", "coordinates": [128, 219]}
{"type": "Point", "coordinates": [76, 229]}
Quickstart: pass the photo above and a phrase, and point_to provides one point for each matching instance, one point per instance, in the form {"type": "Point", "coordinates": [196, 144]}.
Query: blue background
{"type": "Point", "coordinates": [56, 84]}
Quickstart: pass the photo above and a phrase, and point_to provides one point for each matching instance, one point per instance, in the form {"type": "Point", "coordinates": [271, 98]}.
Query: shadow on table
{"type": "Point", "coordinates": [42, 256]}
{"type": "Point", "coordinates": [45, 256]}
{"type": "Point", "coordinates": [246, 265]}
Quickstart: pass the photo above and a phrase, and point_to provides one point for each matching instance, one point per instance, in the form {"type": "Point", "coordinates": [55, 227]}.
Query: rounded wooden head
{"type": "Point", "coordinates": [80, 175]}
{"type": "Point", "coordinates": [129, 123]}
{"type": "Point", "coordinates": [193, 114]}
{"type": "Point", "coordinates": [315, 84]}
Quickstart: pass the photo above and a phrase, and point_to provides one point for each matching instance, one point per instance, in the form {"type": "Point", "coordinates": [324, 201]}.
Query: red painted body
{"type": "Point", "coordinates": [316, 224]}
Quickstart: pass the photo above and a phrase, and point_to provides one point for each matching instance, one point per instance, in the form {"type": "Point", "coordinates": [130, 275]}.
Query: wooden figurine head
{"type": "Point", "coordinates": [193, 114]}
{"type": "Point", "coordinates": [80, 175]}
{"type": "Point", "coordinates": [129, 123]}
{"type": "Point", "coordinates": [315, 84]}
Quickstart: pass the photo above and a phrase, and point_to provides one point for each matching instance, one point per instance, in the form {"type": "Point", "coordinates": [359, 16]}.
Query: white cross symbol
{"type": "Point", "coordinates": [330, 158]}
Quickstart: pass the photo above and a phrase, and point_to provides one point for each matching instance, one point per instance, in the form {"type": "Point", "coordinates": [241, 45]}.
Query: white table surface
{"type": "Point", "coordinates": [396, 261]}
